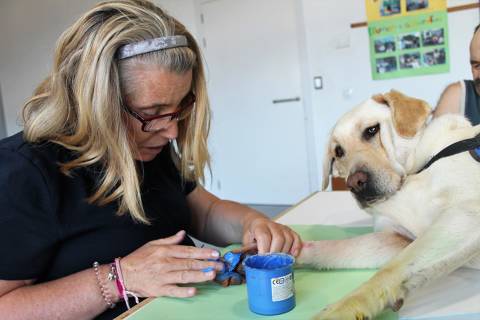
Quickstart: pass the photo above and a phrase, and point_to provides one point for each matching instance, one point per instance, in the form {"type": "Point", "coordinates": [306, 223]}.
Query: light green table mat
{"type": "Point", "coordinates": [314, 290]}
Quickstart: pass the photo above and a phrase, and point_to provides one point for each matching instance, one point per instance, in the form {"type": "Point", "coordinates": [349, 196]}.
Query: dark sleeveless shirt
{"type": "Point", "coordinates": [472, 103]}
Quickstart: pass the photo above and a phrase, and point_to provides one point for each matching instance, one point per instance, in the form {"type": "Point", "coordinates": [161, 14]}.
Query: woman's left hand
{"type": "Point", "coordinates": [270, 236]}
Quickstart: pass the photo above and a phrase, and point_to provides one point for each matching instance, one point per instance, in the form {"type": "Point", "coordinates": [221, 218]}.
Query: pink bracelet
{"type": "Point", "coordinates": [118, 283]}
{"type": "Point", "coordinates": [113, 276]}
{"type": "Point", "coordinates": [122, 290]}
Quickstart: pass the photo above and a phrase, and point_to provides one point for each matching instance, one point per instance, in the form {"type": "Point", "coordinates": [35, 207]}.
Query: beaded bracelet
{"type": "Point", "coordinates": [105, 294]}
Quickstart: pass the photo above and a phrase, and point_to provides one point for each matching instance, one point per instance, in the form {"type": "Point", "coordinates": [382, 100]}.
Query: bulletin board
{"type": "Point", "coordinates": [407, 37]}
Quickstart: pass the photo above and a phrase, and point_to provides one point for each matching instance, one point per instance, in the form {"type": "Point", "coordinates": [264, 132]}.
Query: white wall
{"type": "Point", "coordinates": [29, 30]}
{"type": "Point", "coordinates": [182, 10]}
{"type": "Point", "coordinates": [346, 71]}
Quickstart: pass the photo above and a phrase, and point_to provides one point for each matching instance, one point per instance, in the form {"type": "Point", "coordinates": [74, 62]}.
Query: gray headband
{"type": "Point", "coordinates": [151, 45]}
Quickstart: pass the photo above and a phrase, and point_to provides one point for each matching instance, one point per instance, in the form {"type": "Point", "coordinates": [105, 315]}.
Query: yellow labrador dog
{"type": "Point", "coordinates": [427, 222]}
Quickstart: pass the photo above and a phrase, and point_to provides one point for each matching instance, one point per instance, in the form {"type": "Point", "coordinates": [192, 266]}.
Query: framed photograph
{"type": "Point", "coordinates": [389, 7]}
{"type": "Point", "coordinates": [387, 64]}
{"type": "Point", "coordinates": [413, 5]}
{"type": "Point", "coordinates": [386, 44]}
{"type": "Point", "coordinates": [433, 37]}
{"type": "Point", "coordinates": [435, 57]}
{"type": "Point", "coordinates": [410, 41]}
{"type": "Point", "coordinates": [410, 60]}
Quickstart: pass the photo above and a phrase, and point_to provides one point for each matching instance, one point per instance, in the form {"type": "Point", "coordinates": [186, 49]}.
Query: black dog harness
{"type": "Point", "coordinates": [471, 145]}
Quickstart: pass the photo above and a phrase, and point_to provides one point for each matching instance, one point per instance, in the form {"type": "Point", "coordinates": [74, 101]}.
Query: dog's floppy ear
{"type": "Point", "coordinates": [380, 99]}
{"type": "Point", "coordinates": [409, 114]}
{"type": "Point", "coordinates": [327, 166]}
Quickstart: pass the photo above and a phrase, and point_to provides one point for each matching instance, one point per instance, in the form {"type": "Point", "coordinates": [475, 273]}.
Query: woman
{"type": "Point", "coordinates": [109, 165]}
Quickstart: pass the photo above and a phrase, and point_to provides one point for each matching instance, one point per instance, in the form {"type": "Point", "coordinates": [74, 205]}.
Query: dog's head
{"type": "Point", "coordinates": [370, 145]}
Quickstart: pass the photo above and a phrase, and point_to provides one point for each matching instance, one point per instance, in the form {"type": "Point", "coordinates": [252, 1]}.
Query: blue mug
{"type": "Point", "coordinates": [270, 283]}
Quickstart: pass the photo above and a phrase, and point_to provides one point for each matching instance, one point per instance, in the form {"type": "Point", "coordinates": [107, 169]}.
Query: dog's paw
{"type": "Point", "coordinates": [384, 290]}
{"type": "Point", "coordinates": [347, 309]}
{"type": "Point", "coordinates": [359, 305]}
{"type": "Point", "coordinates": [341, 313]}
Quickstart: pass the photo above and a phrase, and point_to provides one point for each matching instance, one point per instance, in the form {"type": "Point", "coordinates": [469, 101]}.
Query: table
{"type": "Point", "coordinates": [456, 297]}
{"type": "Point", "coordinates": [323, 215]}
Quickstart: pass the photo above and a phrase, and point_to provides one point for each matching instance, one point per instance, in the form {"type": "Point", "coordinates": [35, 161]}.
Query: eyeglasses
{"type": "Point", "coordinates": [161, 121]}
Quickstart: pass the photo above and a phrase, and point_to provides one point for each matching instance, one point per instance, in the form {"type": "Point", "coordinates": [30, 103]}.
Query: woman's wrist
{"type": "Point", "coordinates": [250, 217]}
{"type": "Point", "coordinates": [123, 291]}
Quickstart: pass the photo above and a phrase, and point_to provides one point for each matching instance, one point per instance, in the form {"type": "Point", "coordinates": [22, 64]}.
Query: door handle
{"type": "Point", "coordinates": [294, 99]}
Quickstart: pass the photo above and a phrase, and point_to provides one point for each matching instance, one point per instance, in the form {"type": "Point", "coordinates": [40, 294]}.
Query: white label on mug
{"type": "Point", "coordinates": [282, 287]}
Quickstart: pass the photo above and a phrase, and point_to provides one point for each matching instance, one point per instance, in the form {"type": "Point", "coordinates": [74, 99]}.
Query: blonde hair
{"type": "Point", "coordinates": [79, 105]}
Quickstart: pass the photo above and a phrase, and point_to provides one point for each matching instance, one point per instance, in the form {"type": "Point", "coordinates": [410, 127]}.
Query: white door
{"type": "Point", "coordinates": [257, 139]}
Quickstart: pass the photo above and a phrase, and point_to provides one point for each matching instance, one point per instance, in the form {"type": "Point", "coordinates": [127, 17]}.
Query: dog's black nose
{"type": "Point", "coordinates": [357, 182]}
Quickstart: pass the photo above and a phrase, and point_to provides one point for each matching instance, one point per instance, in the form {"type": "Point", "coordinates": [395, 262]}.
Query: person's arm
{"type": "Point", "coordinates": [153, 270]}
{"type": "Point", "coordinates": [74, 297]}
{"type": "Point", "coordinates": [222, 222]}
{"type": "Point", "coordinates": [449, 101]}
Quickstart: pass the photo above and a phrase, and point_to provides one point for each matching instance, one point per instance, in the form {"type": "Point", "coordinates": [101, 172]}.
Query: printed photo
{"type": "Point", "coordinates": [435, 57]}
{"type": "Point", "coordinates": [413, 5]}
{"type": "Point", "coordinates": [433, 37]}
{"type": "Point", "coordinates": [388, 64]}
{"type": "Point", "coordinates": [386, 44]}
{"type": "Point", "coordinates": [410, 41]}
{"type": "Point", "coordinates": [410, 60]}
{"type": "Point", "coordinates": [389, 7]}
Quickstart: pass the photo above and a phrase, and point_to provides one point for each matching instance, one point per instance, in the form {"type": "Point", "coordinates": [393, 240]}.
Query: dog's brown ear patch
{"type": "Point", "coordinates": [379, 98]}
{"type": "Point", "coordinates": [409, 114]}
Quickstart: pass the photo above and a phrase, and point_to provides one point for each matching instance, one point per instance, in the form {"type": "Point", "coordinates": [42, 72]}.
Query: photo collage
{"type": "Point", "coordinates": [415, 50]}
{"type": "Point", "coordinates": [408, 42]}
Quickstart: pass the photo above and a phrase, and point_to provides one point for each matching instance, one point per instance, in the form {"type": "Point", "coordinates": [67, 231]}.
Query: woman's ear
{"type": "Point", "coordinates": [409, 115]}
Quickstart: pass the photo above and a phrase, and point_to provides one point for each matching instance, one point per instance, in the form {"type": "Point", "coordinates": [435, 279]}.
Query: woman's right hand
{"type": "Point", "coordinates": [157, 267]}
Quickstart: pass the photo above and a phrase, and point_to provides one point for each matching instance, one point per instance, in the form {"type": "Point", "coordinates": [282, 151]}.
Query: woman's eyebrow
{"type": "Point", "coordinates": [160, 104]}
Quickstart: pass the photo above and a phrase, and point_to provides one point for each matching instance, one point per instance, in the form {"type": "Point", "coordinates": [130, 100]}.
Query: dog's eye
{"type": "Point", "coordinates": [371, 131]}
{"type": "Point", "coordinates": [339, 151]}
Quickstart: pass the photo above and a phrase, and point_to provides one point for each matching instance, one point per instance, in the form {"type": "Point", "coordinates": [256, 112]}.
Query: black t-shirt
{"type": "Point", "coordinates": [48, 229]}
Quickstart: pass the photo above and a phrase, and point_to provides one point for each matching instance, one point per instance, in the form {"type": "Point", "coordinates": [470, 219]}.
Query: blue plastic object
{"type": "Point", "coordinates": [230, 262]}
{"type": "Point", "coordinates": [270, 283]}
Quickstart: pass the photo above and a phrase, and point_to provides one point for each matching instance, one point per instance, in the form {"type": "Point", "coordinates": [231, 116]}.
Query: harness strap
{"type": "Point", "coordinates": [471, 145]}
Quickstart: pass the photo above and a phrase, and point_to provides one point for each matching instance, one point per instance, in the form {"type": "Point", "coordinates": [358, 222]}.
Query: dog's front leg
{"type": "Point", "coordinates": [448, 244]}
{"type": "Point", "coordinates": [369, 251]}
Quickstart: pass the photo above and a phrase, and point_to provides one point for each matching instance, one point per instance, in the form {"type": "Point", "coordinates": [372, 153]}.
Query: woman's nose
{"type": "Point", "coordinates": [171, 130]}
